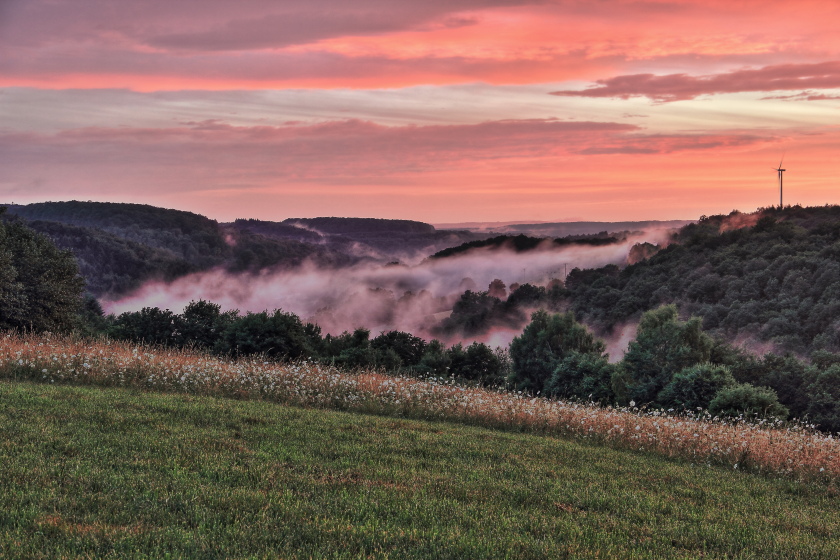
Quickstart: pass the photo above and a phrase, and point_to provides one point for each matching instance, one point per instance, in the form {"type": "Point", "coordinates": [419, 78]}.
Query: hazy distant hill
{"type": "Point", "coordinates": [563, 229]}
{"type": "Point", "coordinates": [396, 239]}
{"type": "Point", "coordinates": [191, 237]}
{"type": "Point", "coordinates": [361, 225]}
{"type": "Point", "coordinates": [119, 246]}
{"type": "Point", "coordinates": [277, 230]}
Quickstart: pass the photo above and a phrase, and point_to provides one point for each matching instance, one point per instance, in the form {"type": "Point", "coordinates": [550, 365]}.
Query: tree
{"type": "Point", "coordinates": [202, 322]}
{"type": "Point", "coordinates": [407, 347]}
{"type": "Point", "coordinates": [40, 286]}
{"type": "Point", "coordinates": [151, 325]}
{"type": "Point", "coordinates": [477, 362]}
{"type": "Point", "coordinates": [544, 344]}
{"type": "Point", "coordinates": [824, 399]}
{"type": "Point", "coordinates": [436, 360]}
{"type": "Point", "coordinates": [351, 350]}
{"type": "Point", "coordinates": [497, 289]}
{"type": "Point", "coordinates": [664, 345]}
{"type": "Point", "coordinates": [277, 335]}
{"type": "Point", "coordinates": [526, 295]}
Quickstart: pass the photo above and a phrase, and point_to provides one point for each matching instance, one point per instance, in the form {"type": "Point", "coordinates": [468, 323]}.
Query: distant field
{"type": "Point", "coordinates": [120, 473]}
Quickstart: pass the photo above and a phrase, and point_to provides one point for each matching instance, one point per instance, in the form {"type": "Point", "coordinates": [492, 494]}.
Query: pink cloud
{"type": "Point", "coordinates": [215, 25]}
{"type": "Point", "coordinates": [676, 87]}
{"type": "Point", "coordinates": [353, 150]}
{"type": "Point", "coordinates": [534, 169]}
{"type": "Point", "coordinates": [804, 96]}
{"type": "Point", "coordinates": [214, 44]}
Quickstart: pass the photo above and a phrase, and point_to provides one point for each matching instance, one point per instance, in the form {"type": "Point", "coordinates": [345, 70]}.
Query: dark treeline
{"type": "Point", "coordinates": [111, 264]}
{"type": "Point", "coordinates": [361, 225]}
{"type": "Point", "coordinates": [280, 335]}
{"type": "Point", "coordinates": [188, 236]}
{"type": "Point", "coordinates": [522, 243]}
{"type": "Point", "coordinates": [671, 365]}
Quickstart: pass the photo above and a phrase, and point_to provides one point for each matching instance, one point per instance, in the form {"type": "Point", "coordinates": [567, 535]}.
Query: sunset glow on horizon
{"type": "Point", "coordinates": [440, 111]}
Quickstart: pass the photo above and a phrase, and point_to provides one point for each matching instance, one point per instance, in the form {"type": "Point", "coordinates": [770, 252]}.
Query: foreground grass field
{"type": "Point", "coordinates": [109, 472]}
{"type": "Point", "coordinates": [796, 450]}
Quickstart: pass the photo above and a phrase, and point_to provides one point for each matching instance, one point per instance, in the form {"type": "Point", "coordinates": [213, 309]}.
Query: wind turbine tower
{"type": "Point", "coordinates": [780, 171]}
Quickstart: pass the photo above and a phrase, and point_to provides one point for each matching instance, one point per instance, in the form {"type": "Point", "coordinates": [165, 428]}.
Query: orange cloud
{"type": "Point", "coordinates": [375, 44]}
{"type": "Point", "coordinates": [534, 169]}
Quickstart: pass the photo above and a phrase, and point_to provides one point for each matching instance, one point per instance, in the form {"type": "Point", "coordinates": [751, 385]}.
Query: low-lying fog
{"type": "Point", "coordinates": [383, 297]}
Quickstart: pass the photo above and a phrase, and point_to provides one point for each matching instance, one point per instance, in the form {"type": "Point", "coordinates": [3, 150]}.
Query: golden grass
{"type": "Point", "coordinates": [795, 450]}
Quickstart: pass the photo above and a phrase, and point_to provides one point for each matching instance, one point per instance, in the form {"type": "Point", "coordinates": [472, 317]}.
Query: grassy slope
{"type": "Point", "coordinates": [89, 472]}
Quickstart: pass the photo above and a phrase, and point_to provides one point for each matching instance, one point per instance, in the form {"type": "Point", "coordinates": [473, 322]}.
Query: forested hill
{"type": "Point", "coordinates": [522, 243]}
{"type": "Point", "coordinates": [360, 225]}
{"type": "Point", "coordinates": [120, 246]}
{"type": "Point", "coordinates": [191, 237]}
{"type": "Point", "coordinates": [395, 239]}
{"type": "Point", "coordinates": [772, 276]}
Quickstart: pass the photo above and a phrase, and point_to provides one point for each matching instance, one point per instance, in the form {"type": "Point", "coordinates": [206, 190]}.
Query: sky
{"type": "Point", "coordinates": [441, 111]}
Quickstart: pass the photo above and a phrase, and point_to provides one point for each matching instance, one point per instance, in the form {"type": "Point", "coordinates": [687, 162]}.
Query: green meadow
{"type": "Point", "coordinates": [119, 473]}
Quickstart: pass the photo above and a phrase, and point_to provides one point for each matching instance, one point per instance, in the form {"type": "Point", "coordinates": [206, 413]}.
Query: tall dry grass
{"type": "Point", "coordinates": [794, 450]}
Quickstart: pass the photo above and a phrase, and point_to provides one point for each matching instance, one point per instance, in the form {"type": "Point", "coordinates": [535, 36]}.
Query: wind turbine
{"type": "Point", "coordinates": [780, 171]}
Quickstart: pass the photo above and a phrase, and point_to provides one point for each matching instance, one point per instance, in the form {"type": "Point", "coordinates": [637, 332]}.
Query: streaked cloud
{"type": "Point", "coordinates": [435, 110]}
{"type": "Point", "coordinates": [677, 87]}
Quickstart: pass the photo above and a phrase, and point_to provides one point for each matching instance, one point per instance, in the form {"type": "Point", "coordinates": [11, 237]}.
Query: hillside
{"type": "Point", "coordinates": [360, 225]}
{"type": "Point", "coordinates": [394, 239]}
{"type": "Point", "coordinates": [111, 264]}
{"type": "Point", "coordinates": [772, 277]}
{"type": "Point", "coordinates": [562, 229]}
{"type": "Point", "coordinates": [523, 243]}
{"type": "Point", "coordinates": [115, 473]}
{"type": "Point", "coordinates": [120, 246]}
{"type": "Point", "coordinates": [188, 236]}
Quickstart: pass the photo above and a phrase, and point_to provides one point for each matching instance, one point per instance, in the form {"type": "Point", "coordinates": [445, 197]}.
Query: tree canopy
{"type": "Point", "coordinates": [40, 286]}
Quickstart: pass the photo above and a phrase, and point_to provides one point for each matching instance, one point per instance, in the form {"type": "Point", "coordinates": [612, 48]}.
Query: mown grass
{"type": "Point", "coordinates": [120, 473]}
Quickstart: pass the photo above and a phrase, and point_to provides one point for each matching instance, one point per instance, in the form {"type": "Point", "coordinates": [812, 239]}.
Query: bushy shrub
{"type": "Point", "coordinates": [478, 362]}
{"type": "Point", "coordinates": [151, 325]}
{"type": "Point", "coordinates": [406, 347]}
{"type": "Point", "coordinates": [747, 400]}
{"type": "Point", "coordinates": [664, 345]}
{"type": "Point", "coordinates": [586, 377]}
{"type": "Point", "coordinates": [40, 286]}
{"type": "Point", "coordinates": [277, 335]}
{"type": "Point", "coordinates": [436, 360]}
{"type": "Point", "coordinates": [544, 344]}
{"type": "Point", "coordinates": [695, 386]}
